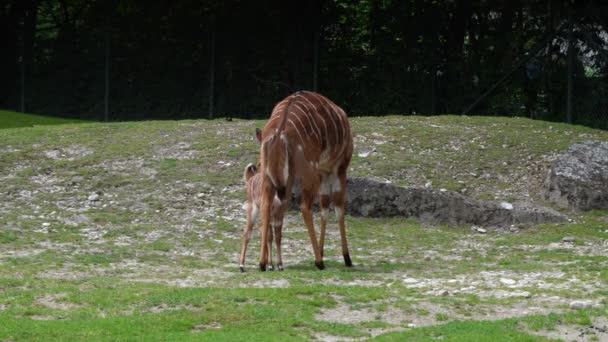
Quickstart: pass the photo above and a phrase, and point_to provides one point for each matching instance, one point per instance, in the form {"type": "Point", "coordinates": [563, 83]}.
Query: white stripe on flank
{"type": "Point", "coordinates": [332, 113]}
{"type": "Point", "coordinates": [339, 112]}
{"type": "Point", "coordinates": [301, 126]}
{"type": "Point", "coordinates": [312, 110]}
{"type": "Point", "coordinates": [325, 129]}
{"type": "Point", "coordinates": [335, 128]}
{"type": "Point", "coordinates": [296, 128]}
{"type": "Point", "coordinates": [311, 122]}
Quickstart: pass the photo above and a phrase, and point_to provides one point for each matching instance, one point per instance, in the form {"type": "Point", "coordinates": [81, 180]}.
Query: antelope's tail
{"type": "Point", "coordinates": [249, 172]}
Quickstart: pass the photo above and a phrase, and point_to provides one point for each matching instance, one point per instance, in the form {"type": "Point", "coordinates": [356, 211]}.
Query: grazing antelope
{"type": "Point", "coordinates": [308, 139]}
{"type": "Point", "coordinates": [253, 187]}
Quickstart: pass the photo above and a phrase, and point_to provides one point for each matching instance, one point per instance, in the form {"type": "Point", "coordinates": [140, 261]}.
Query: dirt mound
{"type": "Point", "coordinates": [369, 198]}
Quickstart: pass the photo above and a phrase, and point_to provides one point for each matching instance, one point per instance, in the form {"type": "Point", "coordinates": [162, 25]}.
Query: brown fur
{"type": "Point", "coordinates": [307, 139]}
{"type": "Point", "coordinates": [253, 184]}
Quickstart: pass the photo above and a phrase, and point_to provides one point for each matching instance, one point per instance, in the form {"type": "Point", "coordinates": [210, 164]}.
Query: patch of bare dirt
{"type": "Point", "coordinates": [422, 313]}
{"type": "Point", "coordinates": [207, 326]}
{"type": "Point", "coordinates": [72, 152]}
{"type": "Point", "coordinates": [165, 308]}
{"type": "Point", "coordinates": [181, 150]}
{"type": "Point", "coordinates": [597, 331]}
{"type": "Point", "coordinates": [54, 301]}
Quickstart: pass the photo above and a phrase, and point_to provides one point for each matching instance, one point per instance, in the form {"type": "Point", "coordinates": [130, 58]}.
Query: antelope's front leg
{"type": "Point", "coordinates": [305, 208]}
{"type": "Point", "coordinates": [265, 210]}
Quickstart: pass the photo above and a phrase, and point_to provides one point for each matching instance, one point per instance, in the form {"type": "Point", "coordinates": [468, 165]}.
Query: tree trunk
{"type": "Point", "coordinates": [454, 51]}
{"type": "Point", "coordinates": [106, 99]}
{"type": "Point", "coordinates": [570, 71]}
{"type": "Point", "coordinates": [211, 67]}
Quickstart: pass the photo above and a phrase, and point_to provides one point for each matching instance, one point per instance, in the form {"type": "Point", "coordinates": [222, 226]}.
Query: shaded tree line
{"type": "Point", "coordinates": [135, 59]}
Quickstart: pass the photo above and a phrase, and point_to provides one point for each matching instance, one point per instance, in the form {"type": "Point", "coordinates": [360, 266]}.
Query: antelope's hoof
{"type": "Point", "coordinates": [262, 267]}
{"type": "Point", "coordinates": [270, 268]}
{"type": "Point", "coordinates": [347, 260]}
{"type": "Point", "coordinates": [242, 269]}
{"type": "Point", "coordinates": [280, 267]}
{"type": "Point", "coordinates": [320, 265]}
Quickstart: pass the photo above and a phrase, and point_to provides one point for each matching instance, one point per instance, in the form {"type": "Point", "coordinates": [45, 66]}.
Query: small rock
{"type": "Point", "coordinates": [365, 154]}
{"type": "Point", "coordinates": [445, 293]}
{"type": "Point", "coordinates": [506, 205]}
{"type": "Point", "coordinates": [46, 224]}
{"type": "Point", "coordinates": [410, 280]}
{"type": "Point", "coordinates": [467, 289]}
{"type": "Point", "coordinates": [481, 230]}
{"type": "Point", "coordinates": [524, 294]}
{"type": "Point", "coordinates": [568, 239]}
{"type": "Point", "coordinates": [411, 325]}
{"type": "Point", "coordinates": [93, 197]}
{"type": "Point", "coordinates": [507, 281]}
{"type": "Point", "coordinates": [581, 304]}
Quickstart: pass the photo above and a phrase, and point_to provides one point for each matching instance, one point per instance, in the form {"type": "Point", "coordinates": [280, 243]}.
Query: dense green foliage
{"type": "Point", "coordinates": [168, 59]}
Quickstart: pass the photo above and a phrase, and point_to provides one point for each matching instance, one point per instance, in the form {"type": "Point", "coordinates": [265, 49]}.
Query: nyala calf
{"type": "Point", "coordinates": [253, 188]}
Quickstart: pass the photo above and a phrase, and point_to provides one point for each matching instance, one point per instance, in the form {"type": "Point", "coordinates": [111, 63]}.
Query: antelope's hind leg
{"type": "Point", "coordinates": [277, 240]}
{"type": "Point", "coordinates": [338, 198]}
{"type": "Point", "coordinates": [324, 204]}
{"type": "Point", "coordinates": [269, 242]}
{"type": "Point", "coordinates": [265, 210]}
{"type": "Point", "coordinates": [251, 214]}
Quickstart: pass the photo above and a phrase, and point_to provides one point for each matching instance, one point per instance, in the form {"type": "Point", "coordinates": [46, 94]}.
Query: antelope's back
{"type": "Point", "coordinates": [313, 119]}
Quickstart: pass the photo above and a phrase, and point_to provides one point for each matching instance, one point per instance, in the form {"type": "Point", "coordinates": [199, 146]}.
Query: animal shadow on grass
{"type": "Point", "coordinates": [338, 265]}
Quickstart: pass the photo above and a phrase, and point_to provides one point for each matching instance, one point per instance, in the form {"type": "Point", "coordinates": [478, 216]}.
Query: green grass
{"type": "Point", "coordinates": [154, 257]}
{"type": "Point", "coordinates": [10, 119]}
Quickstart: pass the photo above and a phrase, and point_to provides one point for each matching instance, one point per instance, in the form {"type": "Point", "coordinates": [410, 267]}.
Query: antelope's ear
{"type": "Point", "coordinates": [258, 134]}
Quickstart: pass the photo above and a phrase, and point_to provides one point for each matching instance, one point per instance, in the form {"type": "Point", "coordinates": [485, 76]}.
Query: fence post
{"type": "Point", "coordinates": [22, 69]}
{"type": "Point", "coordinates": [570, 70]}
{"type": "Point", "coordinates": [106, 99]}
{"type": "Point", "coordinates": [211, 66]}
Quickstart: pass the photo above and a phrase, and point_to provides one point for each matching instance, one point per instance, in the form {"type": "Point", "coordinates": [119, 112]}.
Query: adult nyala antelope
{"type": "Point", "coordinates": [253, 189]}
{"type": "Point", "coordinates": [308, 139]}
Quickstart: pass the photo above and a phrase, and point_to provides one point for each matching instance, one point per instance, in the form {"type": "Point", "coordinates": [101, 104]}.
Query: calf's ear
{"type": "Point", "coordinates": [258, 134]}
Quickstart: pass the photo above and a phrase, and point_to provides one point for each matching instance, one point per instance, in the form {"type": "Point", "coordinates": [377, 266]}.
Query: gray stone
{"type": "Point", "coordinates": [508, 281]}
{"type": "Point", "coordinates": [581, 304]}
{"type": "Point", "coordinates": [579, 178]}
{"type": "Point", "coordinates": [369, 198]}
{"type": "Point", "coordinates": [568, 239]}
{"type": "Point", "coordinates": [506, 205]}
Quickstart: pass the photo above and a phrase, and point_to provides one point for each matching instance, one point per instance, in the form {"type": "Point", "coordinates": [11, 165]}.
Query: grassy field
{"type": "Point", "coordinates": [131, 231]}
{"type": "Point", "coordinates": [10, 119]}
